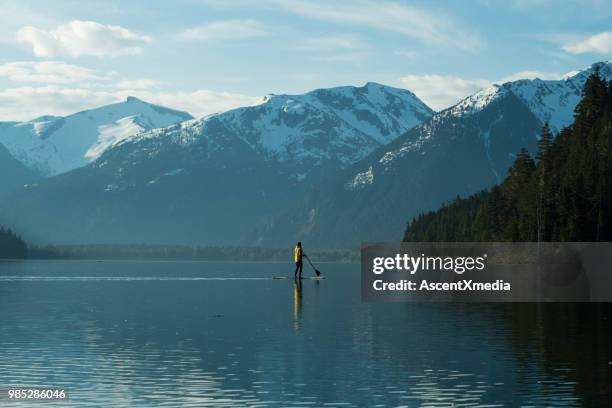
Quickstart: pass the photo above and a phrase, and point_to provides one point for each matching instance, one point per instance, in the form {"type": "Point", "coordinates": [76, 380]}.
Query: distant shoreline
{"type": "Point", "coordinates": [17, 260]}
{"type": "Point", "coordinates": [145, 252]}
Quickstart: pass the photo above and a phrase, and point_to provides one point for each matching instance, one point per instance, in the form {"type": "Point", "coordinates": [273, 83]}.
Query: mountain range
{"type": "Point", "coordinates": [215, 179]}
{"type": "Point", "coordinates": [332, 167]}
{"type": "Point", "coordinates": [458, 151]}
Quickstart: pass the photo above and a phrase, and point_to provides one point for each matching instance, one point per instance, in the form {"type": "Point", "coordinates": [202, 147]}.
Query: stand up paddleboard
{"type": "Point", "coordinates": [289, 277]}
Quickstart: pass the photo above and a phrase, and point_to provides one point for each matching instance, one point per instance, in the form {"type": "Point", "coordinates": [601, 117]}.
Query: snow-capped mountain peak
{"type": "Point", "coordinates": [554, 101]}
{"type": "Point", "coordinates": [334, 125]}
{"type": "Point", "coordinates": [52, 144]}
{"type": "Point", "coordinates": [478, 101]}
{"type": "Point", "coordinates": [551, 101]}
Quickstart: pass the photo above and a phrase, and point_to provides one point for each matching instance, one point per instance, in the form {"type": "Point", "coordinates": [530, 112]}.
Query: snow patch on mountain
{"type": "Point", "coordinates": [361, 179]}
{"type": "Point", "coordinates": [170, 173]}
{"type": "Point", "coordinates": [184, 134]}
{"type": "Point", "coordinates": [423, 133]}
{"type": "Point", "coordinates": [110, 134]}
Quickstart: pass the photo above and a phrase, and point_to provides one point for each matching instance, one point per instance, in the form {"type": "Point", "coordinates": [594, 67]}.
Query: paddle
{"type": "Point", "coordinates": [315, 269]}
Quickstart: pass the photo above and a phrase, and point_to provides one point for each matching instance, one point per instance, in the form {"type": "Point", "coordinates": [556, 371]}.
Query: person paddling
{"type": "Point", "coordinates": [297, 257]}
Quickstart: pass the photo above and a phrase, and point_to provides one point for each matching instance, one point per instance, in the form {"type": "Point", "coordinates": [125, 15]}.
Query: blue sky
{"type": "Point", "coordinates": [205, 56]}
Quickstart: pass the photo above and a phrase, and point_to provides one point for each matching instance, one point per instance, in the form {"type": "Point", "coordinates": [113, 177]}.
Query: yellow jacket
{"type": "Point", "coordinates": [297, 254]}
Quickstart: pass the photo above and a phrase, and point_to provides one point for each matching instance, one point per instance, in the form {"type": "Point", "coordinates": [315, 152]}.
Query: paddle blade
{"type": "Point", "coordinates": [317, 272]}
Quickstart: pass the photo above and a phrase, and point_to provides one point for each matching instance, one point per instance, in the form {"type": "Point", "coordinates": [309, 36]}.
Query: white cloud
{"type": "Point", "coordinates": [225, 30]}
{"type": "Point", "coordinates": [16, 14]}
{"type": "Point", "coordinates": [199, 103]}
{"type": "Point", "coordinates": [411, 21]}
{"type": "Point", "coordinates": [78, 38]}
{"type": "Point", "coordinates": [331, 43]}
{"type": "Point", "coordinates": [333, 48]}
{"type": "Point", "coordinates": [530, 75]}
{"type": "Point", "coordinates": [48, 72]}
{"type": "Point", "coordinates": [528, 5]}
{"type": "Point", "coordinates": [141, 84]}
{"type": "Point", "coordinates": [554, 37]}
{"type": "Point", "coordinates": [442, 91]}
{"type": "Point", "coordinates": [356, 58]}
{"type": "Point", "coordinates": [25, 103]}
{"type": "Point", "coordinates": [58, 88]}
{"type": "Point", "coordinates": [597, 44]}
{"type": "Point", "coordinates": [28, 102]}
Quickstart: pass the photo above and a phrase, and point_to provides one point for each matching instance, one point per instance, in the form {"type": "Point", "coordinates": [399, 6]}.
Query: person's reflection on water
{"type": "Point", "coordinates": [297, 303]}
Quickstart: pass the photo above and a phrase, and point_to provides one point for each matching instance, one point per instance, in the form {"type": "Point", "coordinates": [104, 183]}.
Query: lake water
{"type": "Point", "coordinates": [198, 334]}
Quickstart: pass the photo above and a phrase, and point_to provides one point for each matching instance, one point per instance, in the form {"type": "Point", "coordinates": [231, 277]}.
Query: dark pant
{"type": "Point", "coordinates": [298, 267]}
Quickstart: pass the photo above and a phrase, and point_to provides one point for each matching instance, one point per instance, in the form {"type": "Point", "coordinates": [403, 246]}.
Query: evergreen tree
{"type": "Point", "coordinates": [543, 197]}
{"type": "Point", "coordinates": [544, 143]}
{"type": "Point", "coordinates": [11, 245]}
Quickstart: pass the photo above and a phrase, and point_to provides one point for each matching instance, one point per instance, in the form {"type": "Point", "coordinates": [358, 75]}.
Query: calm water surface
{"type": "Point", "coordinates": [198, 334]}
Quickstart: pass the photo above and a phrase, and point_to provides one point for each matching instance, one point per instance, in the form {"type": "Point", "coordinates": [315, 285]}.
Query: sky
{"type": "Point", "coordinates": [206, 56]}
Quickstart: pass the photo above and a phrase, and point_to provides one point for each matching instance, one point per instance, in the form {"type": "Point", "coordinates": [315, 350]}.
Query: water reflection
{"type": "Point", "coordinates": [205, 334]}
{"type": "Point", "coordinates": [297, 303]}
{"type": "Point", "coordinates": [570, 342]}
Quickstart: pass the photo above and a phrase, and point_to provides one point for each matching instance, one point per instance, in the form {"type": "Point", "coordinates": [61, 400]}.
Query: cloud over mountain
{"type": "Point", "coordinates": [442, 91]}
{"type": "Point", "coordinates": [49, 72]}
{"type": "Point", "coordinates": [597, 44]}
{"type": "Point", "coordinates": [59, 88]}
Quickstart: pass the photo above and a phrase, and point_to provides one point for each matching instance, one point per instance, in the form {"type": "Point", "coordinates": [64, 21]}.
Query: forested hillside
{"type": "Point", "coordinates": [11, 245]}
{"type": "Point", "coordinates": [564, 193]}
